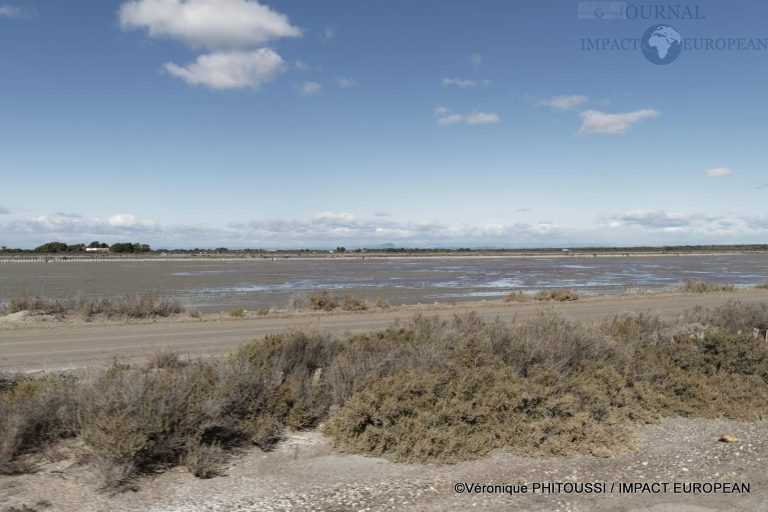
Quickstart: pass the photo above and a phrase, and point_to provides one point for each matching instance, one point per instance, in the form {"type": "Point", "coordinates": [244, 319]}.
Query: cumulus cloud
{"type": "Point", "coordinates": [310, 88]}
{"type": "Point", "coordinates": [462, 83]}
{"type": "Point", "coordinates": [563, 102]}
{"type": "Point", "coordinates": [698, 226]}
{"type": "Point", "coordinates": [444, 117]}
{"type": "Point", "coordinates": [322, 229]}
{"type": "Point", "coordinates": [718, 172]}
{"type": "Point", "coordinates": [214, 24]}
{"type": "Point", "coordinates": [230, 70]}
{"type": "Point", "coordinates": [657, 219]}
{"type": "Point", "coordinates": [596, 122]}
{"type": "Point", "coordinates": [77, 227]}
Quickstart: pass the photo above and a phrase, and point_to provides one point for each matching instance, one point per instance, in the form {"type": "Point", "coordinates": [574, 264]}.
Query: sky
{"type": "Point", "coordinates": [314, 124]}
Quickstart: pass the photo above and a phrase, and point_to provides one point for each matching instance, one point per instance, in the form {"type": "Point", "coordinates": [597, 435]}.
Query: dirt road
{"type": "Point", "coordinates": [34, 344]}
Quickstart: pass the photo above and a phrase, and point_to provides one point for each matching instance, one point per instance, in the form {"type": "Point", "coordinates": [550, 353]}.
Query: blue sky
{"type": "Point", "coordinates": [321, 123]}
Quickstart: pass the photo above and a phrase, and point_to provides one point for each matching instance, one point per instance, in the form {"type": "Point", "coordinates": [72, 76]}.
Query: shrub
{"type": "Point", "coordinates": [350, 303]}
{"type": "Point", "coordinates": [517, 297]}
{"type": "Point", "coordinates": [144, 306]}
{"type": "Point", "coordinates": [323, 301]}
{"type": "Point", "coordinates": [237, 313]}
{"type": "Point", "coordinates": [697, 286]}
{"type": "Point", "coordinates": [383, 303]}
{"type": "Point", "coordinates": [425, 390]}
{"type": "Point", "coordinates": [558, 294]}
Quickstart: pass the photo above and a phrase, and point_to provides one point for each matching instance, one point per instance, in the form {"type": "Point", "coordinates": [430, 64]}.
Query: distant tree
{"type": "Point", "coordinates": [98, 245]}
{"type": "Point", "coordinates": [127, 247]}
{"type": "Point", "coordinates": [341, 249]}
{"type": "Point", "coordinates": [52, 247]}
{"type": "Point", "coordinates": [76, 248]}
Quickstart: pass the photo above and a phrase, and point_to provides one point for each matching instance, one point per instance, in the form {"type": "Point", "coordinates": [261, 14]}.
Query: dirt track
{"type": "Point", "coordinates": [35, 344]}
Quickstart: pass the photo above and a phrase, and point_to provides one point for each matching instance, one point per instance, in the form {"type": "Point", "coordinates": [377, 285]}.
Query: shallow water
{"type": "Point", "coordinates": [218, 285]}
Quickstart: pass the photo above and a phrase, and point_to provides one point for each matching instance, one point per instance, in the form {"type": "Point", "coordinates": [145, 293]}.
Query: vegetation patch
{"type": "Point", "coordinates": [557, 294]}
{"type": "Point", "coordinates": [429, 390]}
{"type": "Point", "coordinates": [139, 306]}
{"type": "Point", "coordinates": [698, 286]}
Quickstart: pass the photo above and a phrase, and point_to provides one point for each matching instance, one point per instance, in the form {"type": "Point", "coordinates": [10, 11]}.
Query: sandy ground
{"type": "Point", "coordinates": [306, 474]}
{"type": "Point", "coordinates": [32, 343]}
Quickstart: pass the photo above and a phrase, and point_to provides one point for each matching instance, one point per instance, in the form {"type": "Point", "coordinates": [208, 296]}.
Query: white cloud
{"type": "Point", "coordinates": [449, 119]}
{"type": "Point", "coordinates": [328, 229]}
{"type": "Point", "coordinates": [10, 11]}
{"type": "Point", "coordinates": [310, 88]}
{"type": "Point", "coordinates": [230, 70]}
{"type": "Point", "coordinates": [345, 83]}
{"type": "Point", "coordinates": [596, 122]}
{"type": "Point", "coordinates": [476, 59]}
{"type": "Point", "coordinates": [657, 219]}
{"type": "Point", "coordinates": [215, 24]}
{"type": "Point", "coordinates": [482, 118]}
{"type": "Point", "coordinates": [688, 224]}
{"type": "Point", "coordinates": [301, 65]}
{"type": "Point", "coordinates": [718, 172]}
{"type": "Point", "coordinates": [563, 102]}
{"type": "Point", "coordinates": [444, 117]}
{"type": "Point", "coordinates": [459, 82]}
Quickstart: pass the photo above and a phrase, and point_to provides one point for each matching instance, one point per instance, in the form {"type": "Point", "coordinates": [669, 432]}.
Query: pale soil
{"type": "Point", "coordinates": [306, 474]}
{"type": "Point", "coordinates": [33, 343]}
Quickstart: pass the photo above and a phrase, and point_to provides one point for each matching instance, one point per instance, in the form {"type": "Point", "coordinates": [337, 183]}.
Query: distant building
{"type": "Point", "coordinates": [97, 249]}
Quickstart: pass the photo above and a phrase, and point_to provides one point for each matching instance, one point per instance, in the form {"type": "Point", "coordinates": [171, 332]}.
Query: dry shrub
{"type": "Point", "coordinates": [33, 413]}
{"type": "Point", "coordinates": [36, 306]}
{"type": "Point", "coordinates": [517, 297]}
{"type": "Point", "coordinates": [762, 285]}
{"type": "Point", "coordinates": [323, 301]}
{"type": "Point", "coordinates": [165, 359]}
{"type": "Point", "coordinates": [558, 294]}
{"type": "Point", "coordinates": [698, 286]}
{"type": "Point", "coordinates": [350, 303]}
{"type": "Point", "coordinates": [427, 390]}
{"type": "Point", "coordinates": [237, 313]}
{"type": "Point", "coordinates": [140, 306]}
{"type": "Point", "coordinates": [205, 460]}
{"type": "Point", "coordinates": [733, 316]}
{"type": "Point", "coordinates": [383, 303]}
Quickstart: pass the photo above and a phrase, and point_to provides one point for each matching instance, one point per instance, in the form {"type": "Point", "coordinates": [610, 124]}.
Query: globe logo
{"type": "Point", "coordinates": [599, 13]}
{"type": "Point", "coordinates": [661, 44]}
